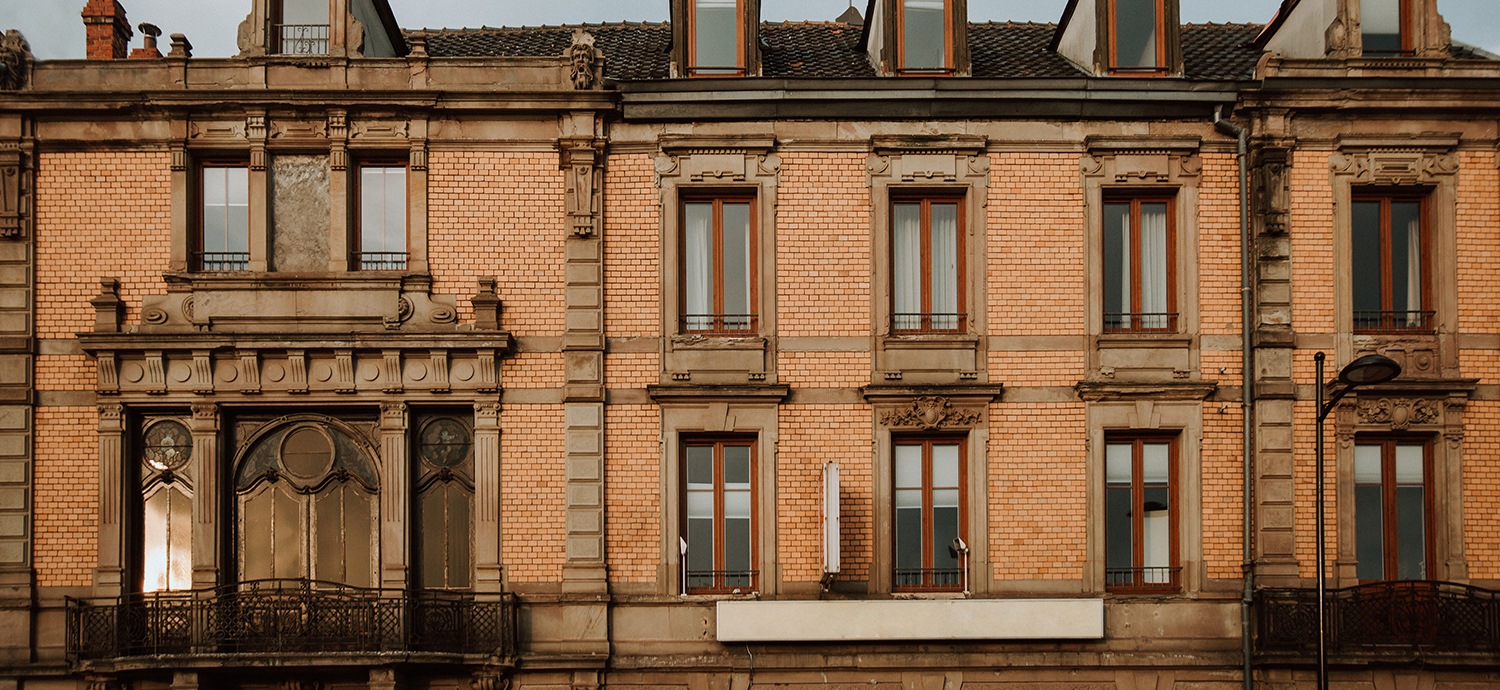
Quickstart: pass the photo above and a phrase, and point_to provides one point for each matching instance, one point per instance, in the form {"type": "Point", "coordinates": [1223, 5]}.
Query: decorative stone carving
{"type": "Point", "coordinates": [930, 413]}
{"type": "Point", "coordinates": [1399, 414]}
{"type": "Point", "coordinates": [586, 63]}
{"type": "Point", "coordinates": [580, 156]}
{"type": "Point", "coordinates": [15, 61]}
{"type": "Point", "coordinates": [487, 306]}
{"type": "Point", "coordinates": [489, 681]}
{"type": "Point", "coordinates": [1271, 193]}
{"type": "Point", "coordinates": [109, 309]}
{"type": "Point", "coordinates": [1394, 167]}
{"type": "Point", "coordinates": [15, 188]}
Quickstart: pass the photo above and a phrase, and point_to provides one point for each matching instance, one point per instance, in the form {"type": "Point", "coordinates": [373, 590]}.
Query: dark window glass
{"type": "Point", "coordinates": [928, 491]}
{"type": "Point", "coordinates": [1140, 528]}
{"type": "Point", "coordinates": [1136, 31]}
{"type": "Point", "coordinates": [927, 249]}
{"type": "Point", "coordinates": [1390, 509]}
{"type": "Point", "coordinates": [718, 257]}
{"type": "Point", "coordinates": [445, 495]}
{"type": "Point", "coordinates": [718, 515]}
{"type": "Point", "coordinates": [1388, 264]}
{"type": "Point", "coordinates": [924, 35]}
{"type": "Point", "coordinates": [1139, 280]}
{"type": "Point", "coordinates": [716, 44]}
{"type": "Point", "coordinates": [1383, 27]}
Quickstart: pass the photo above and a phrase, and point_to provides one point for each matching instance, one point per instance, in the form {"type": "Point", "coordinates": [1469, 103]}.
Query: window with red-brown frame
{"type": "Point", "coordinates": [1389, 262]}
{"type": "Point", "coordinates": [222, 237]}
{"type": "Point", "coordinates": [927, 264]}
{"type": "Point", "coordinates": [381, 243]}
{"type": "Point", "coordinates": [716, 42]}
{"type": "Point", "coordinates": [1393, 508]}
{"type": "Point", "coordinates": [1137, 37]}
{"type": "Point", "coordinates": [1140, 530]}
{"type": "Point", "coordinates": [719, 264]}
{"type": "Point", "coordinates": [930, 513]}
{"type": "Point", "coordinates": [1140, 259]}
{"type": "Point", "coordinates": [924, 37]}
{"type": "Point", "coordinates": [299, 27]}
{"type": "Point", "coordinates": [718, 516]}
{"type": "Point", "coordinates": [1385, 27]}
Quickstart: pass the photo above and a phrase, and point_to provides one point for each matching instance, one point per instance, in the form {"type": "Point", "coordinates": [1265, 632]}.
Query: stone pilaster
{"type": "Point", "coordinates": [110, 572]}
{"type": "Point", "coordinates": [206, 495]}
{"type": "Point", "coordinates": [395, 480]}
{"type": "Point", "coordinates": [17, 180]}
{"type": "Point", "coordinates": [488, 574]}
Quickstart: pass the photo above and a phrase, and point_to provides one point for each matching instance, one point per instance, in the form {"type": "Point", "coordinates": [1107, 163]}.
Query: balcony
{"type": "Point", "coordinates": [301, 39]}
{"type": "Point", "coordinates": [1417, 618]}
{"type": "Point", "coordinates": [284, 619]}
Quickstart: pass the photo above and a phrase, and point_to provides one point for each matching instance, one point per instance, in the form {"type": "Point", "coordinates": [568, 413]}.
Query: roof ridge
{"type": "Point", "coordinates": [542, 27]}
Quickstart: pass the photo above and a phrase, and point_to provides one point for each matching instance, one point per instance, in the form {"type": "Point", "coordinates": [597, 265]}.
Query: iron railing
{"type": "Point", "coordinates": [720, 581]}
{"type": "Point", "coordinates": [283, 617]}
{"type": "Point", "coordinates": [1412, 615]}
{"type": "Point", "coordinates": [719, 324]}
{"type": "Point", "coordinates": [1140, 322]}
{"type": "Point", "coordinates": [934, 323]}
{"type": "Point", "coordinates": [930, 579]}
{"type": "Point", "coordinates": [301, 39]}
{"type": "Point", "coordinates": [1393, 321]}
{"type": "Point", "coordinates": [380, 261]}
{"type": "Point", "coordinates": [223, 261]}
{"type": "Point", "coordinates": [1144, 580]}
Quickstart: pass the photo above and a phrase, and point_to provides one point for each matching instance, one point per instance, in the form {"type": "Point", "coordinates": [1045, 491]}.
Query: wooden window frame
{"type": "Point", "coordinates": [1388, 486]}
{"type": "Point", "coordinates": [1158, 70]}
{"type": "Point", "coordinates": [1406, 13]}
{"type": "Point", "coordinates": [926, 200]}
{"type": "Point", "coordinates": [948, 68]}
{"type": "Point", "coordinates": [197, 241]}
{"type": "Point", "coordinates": [1133, 256]}
{"type": "Point", "coordinates": [1385, 197]}
{"type": "Point", "coordinates": [718, 442]}
{"type": "Point", "coordinates": [1137, 527]}
{"type": "Point", "coordinates": [927, 441]}
{"type": "Point", "coordinates": [700, 71]}
{"type": "Point", "coordinates": [719, 324]}
{"type": "Point", "coordinates": [356, 241]}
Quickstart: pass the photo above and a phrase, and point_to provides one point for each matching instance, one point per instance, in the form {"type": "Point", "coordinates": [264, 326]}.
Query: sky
{"type": "Point", "coordinates": [55, 31]}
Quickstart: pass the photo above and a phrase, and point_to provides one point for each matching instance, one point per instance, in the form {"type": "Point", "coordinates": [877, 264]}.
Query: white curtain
{"type": "Point", "coordinates": [1154, 266]}
{"type": "Point", "coordinates": [945, 266]}
{"type": "Point", "coordinates": [698, 266]}
{"type": "Point", "coordinates": [1414, 273]}
{"type": "Point", "coordinates": [906, 280]}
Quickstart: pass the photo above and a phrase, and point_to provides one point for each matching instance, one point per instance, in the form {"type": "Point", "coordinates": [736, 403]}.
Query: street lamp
{"type": "Point", "coordinates": [1365, 371]}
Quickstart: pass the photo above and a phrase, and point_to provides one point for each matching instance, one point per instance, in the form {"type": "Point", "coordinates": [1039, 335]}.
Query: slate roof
{"type": "Point", "coordinates": [817, 50]}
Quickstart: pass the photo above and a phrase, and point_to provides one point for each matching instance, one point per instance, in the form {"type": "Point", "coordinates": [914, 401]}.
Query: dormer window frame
{"type": "Point", "coordinates": [692, 68]}
{"type": "Point", "coordinates": [948, 52]}
{"type": "Point", "coordinates": [1406, 30]}
{"type": "Point", "coordinates": [1163, 62]}
{"type": "Point", "coordinates": [306, 35]}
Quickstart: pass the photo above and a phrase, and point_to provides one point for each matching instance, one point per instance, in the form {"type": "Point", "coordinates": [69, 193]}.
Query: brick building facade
{"type": "Point", "coordinates": [892, 351]}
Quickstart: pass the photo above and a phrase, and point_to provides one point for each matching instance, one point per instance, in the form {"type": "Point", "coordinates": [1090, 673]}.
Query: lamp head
{"type": "Point", "coordinates": [1369, 370]}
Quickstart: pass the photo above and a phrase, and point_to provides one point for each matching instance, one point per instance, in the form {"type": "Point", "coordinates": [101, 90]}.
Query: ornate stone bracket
{"type": "Point", "coordinates": [16, 183]}
{"type": "Point", "coordinates": [1126, 160]}
{"type": "Point", "coordinates": [581, 158]}
{"type": "Point", "coordinates": [1400, 414]}
{"type": "Point", "coordinates": [731, 158]}
{"type": "Point", "coordinates": [1415, 160]}
{"type": "Point", "coordinates": [932, 413]}
{"type": "Point", "coordinates": [1272, 191]}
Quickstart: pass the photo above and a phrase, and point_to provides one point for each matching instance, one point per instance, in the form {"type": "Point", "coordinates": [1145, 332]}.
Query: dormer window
{"type": "Point", "coordinates": [1385, 27]}
{"type": "Point", "coordinates": [716, 43]}
{"type": "Point", "coordinates": [299, 27]}
{"type": "Point", "coordinates": [926, 45]}
{"type": "Point", "coordinates": [1137, 28]}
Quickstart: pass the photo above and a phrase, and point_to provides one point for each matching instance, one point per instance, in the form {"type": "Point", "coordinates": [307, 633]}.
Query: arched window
{"type": "Point", "coordinates": [167, 506]}
{"type": "Point", "coordinates": [444, 496]}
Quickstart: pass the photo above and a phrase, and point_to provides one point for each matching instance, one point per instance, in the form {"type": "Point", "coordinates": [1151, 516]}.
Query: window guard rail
{"type": "Point", "coordinates": [1145, 579]}
{"type": "Point", "coordinates": [223, 261]}
{"type": "Point", "coordinates": [720, 324]}
{"type": "Point", "coordinates": [269, 617]}
{"type": "Point", "coordinates": [929, 323]}
{"type": "Point", "coordinates": [380, 261]}
{"type": "Point", "coordinates": [1393, 321]}
{"type": "Point", "coordinates": [1140, 322]}
{"type": "Point", "coordinates": [301, 39]}
{"type": "Point", "coordinates": [1415, 615]}
{"type": "Point", "coordinates": [931, 579]}
{"type": "Point", "coordinates": [721, 581]}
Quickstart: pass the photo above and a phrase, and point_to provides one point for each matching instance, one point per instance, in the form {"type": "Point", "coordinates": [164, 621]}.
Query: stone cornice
{"type": "Point", "coordinates": [669, 394]}
{"type": "Point", "coordinates": [1096, 391]}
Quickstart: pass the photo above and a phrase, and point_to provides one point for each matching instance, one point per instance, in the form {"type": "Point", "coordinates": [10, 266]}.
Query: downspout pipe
{"type": "Point", "coordinates": [1247, 392]}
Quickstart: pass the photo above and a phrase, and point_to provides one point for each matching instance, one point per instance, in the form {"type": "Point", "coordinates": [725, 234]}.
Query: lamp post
{"type": "Point", "coordinates": [1367, 370]}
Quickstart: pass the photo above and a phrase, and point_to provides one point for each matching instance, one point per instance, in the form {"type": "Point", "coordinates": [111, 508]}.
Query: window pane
{"type": "Point", "coordinates": [1135, 33]}
{"type": "Point", "coordinates": [1119, 546]}
{"type": "Point", "coordinates": [945, 465]}
{"type": "Point", "coordinates": [1155, 463]}
{"type": "Point", "coordinates": [700, 466]}
{"type": "Point", "coordinates": [944, 265]}
{"type": "Point", "coordinates": [715, 34]}
{"type": "Point", "coordinates": [944, 530]}
{"type": "Point", "coordinates": [214, 186]}
{"type": "Point", "coordinates": [1367, 464]}
{"type": "Point", "coordinates": [908, 466]}
{"type": "Point", "coordinates": [700, 504]}
{"type": "Point", "coordinates": [1369, 531]}
{"type": "Point", "coordinates": [698, 277]}
{"type": "Point", "coordinates": [328, 520]}
{"type": "Point", "coordinates": [924, 42]}
{"type": "Point", "coordinates": [434, 538]}
{"type": "Point", "coordinates": [1154, 268]}
{"type": "Point", "coordinates": [257, 530]}
{"type": "Point", "coordinates": [737, 504]}
{"type": "Point", "coordinates": [359, 566]}
{"type": "Point", "coordinates": [395, 209]}
{"type": "Point", "coordinates": [906, 252]}
{"type": "Point", "coordinates": [289, 535]}
{"type": "Point", "coordinates": [1380, 24]}
{"type": "Point", "coordinates": [458, 537]}
{"type": "Point", "coordinates": [700, 555]}
{"type": "Point", "coordinates": [1411, 533]}
{"type": "Point", "coordinates": [1406, 256]}
{"type": "Point", "coordinates": [168, 544]}
{"type": "Point", "coordinates": [305, 11]}
{"type": "Point", "coordinates": [909, 532]}
{"type": "Point", "coordinates": [1117, 293]}
{"type": "Point", "coordinates": [737, 547]}
{"type": "Point", "coordinates": [1117, 463]}
{"type": "Point", "coordinates": [736, 252]}
{"type": "Point", "coordinates": [736, 467]}
{"type": "Point", "coordinates": [1368, 265]}
{"type": "Point", "coordinates": [1156, 531]}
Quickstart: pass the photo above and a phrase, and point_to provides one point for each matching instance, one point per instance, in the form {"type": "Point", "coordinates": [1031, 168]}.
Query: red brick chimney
{"type": "Point", "coordinates": [106, 31]}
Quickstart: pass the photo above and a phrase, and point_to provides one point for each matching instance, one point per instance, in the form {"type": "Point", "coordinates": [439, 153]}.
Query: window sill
{"type": "Point", "coordinates": [719, 596]}
{"type": "Point", "coordinates": [718, 341]}
{"type": "Point", "coordinates": [929, 596]}
{"type": "Point", "coordinates": [259, 280]}
{"type": "Point", "coordinates": [1145, 339]}
{"type": "Point", "coordinates": [930, 341]}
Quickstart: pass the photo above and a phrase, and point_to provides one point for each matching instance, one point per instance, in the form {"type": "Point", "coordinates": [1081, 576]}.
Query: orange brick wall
{"type": "Point", "coordinates": [1053, 368]}
{"type": "Point", "coordinates": [1219, 246]}
{"type": "Point", "coordinates": [532, 524]}
{"type": "Point", "coordinates": [1481, 477]}
{"type": "Point", "coordinates": [632, 464]}
{"type": "Point", "coordinates": [65, 373]}
{"type": "Point", "coordinates": [502, 215]}
{"type": "Point", "coordinates": [1478, 245]}
{"type": "Point", "coordinates": [533, 370]}
{"type": "Point", "coordinates": [811, 435]}
{"type": "Point", "coordinates": [99, 214]}
{"type": "Point", "coordinates": [1222, 477]}
{"type": "Point", "coordinates": [823, 245]}
{"type": "Point", "coordinates": [631, 370]}
{"type": "Point", "coordinates": [1036, 234]}
{"type": "Point", "coordinates": [1310, 223]}
{"type": "Point", "coordinates": [824, 369]}
{"type": "Point", "coordinates": [632, 248]}
{"type": "Point", "coordinates": [1038, 491]}
{"type": "Point", "coordinates": [66, 524]}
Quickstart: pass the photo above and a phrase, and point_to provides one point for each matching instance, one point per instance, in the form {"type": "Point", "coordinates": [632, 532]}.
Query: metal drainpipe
{"type": "Point", "coordinates": [1247, 392]}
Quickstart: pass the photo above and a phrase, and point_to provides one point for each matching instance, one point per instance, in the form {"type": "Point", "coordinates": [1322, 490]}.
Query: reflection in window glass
{"type": "Point", "coordinates": [1139, 532]}
{"type": "Point", "coordinates": [924, 36]}
{"type": "Point", "coordinates": [718, 515]}
{"type": "Point", "coordinates": [382, 217]}
{"type": "Point", "coordinates": [928, 493]}
{"type": "Point", "coordinates": [1380, 27]}
{"type": "Point", "coordinates": [716, 37]}
{"type": "Point", "coordinates": [1390, 510]}
{"type": "Point", "coordinates": [1136, 26]}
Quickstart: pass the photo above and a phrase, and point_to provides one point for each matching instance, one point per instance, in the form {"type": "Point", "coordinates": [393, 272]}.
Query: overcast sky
{"type": "Point", "coordinates": [55, 30]}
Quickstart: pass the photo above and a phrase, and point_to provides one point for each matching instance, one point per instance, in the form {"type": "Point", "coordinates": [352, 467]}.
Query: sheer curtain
{"type": "Point", "coordinates": [944, 266]}
{"type": "Point", "coordinates": [1413, 314]}
{"type": "Point", "coordinates": [1154, 266]}
{"type": "Point", "coordinates": [697, 276]}
{"type": "Point", "coordinates": [906, 277]}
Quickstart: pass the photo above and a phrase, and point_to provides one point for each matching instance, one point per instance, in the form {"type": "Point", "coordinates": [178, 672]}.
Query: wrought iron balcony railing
{"type": "Point", "coordinates": [1146, 580]}
{"type": "Point", "coordinates": [223, 261]}
{"type": "Point", "coordinates": [1415, 615]}
{"type": "Point", "coordinates": [719, 324]}
{"type": "Point", "coordinates": [1393, 321]}
{"type": "Point", "coordinates": [721, 581]}
{"type": "Point", "coordinates": [301, 39]}
{"type": "Point", "coordinates": [1153, 322]}
{"type": "Point", "coordinates": [380, 261]}
{"type": "Point", "coordinates": [266, 618]}
{"type": "Point", "coordinates": [923, 324]}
